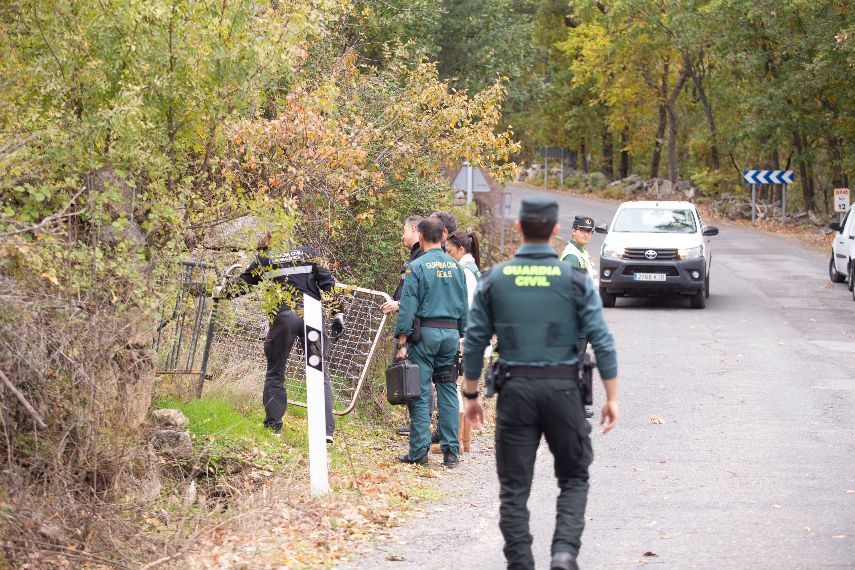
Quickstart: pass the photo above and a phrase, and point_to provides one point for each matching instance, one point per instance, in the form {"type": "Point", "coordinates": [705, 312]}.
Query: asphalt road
{"type": "Point", "coordinates": [753, 463]}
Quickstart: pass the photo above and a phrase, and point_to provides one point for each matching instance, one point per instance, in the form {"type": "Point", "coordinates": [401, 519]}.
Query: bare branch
{"type": "Point", "coordinates": [21, 398]}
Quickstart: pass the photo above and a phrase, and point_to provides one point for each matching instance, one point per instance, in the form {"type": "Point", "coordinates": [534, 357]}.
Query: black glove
{"type": "Point", "coordinates": [337, 326]}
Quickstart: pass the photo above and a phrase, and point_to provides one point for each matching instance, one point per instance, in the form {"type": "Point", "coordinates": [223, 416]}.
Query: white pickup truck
{"type": "Point", "coordinates": [654, 248]}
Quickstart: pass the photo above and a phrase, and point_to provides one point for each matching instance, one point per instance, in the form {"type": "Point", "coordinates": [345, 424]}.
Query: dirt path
{"type": "Point", "coordinates": [465, 518]}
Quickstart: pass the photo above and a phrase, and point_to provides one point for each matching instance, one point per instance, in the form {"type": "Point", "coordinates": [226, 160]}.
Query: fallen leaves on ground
{"type": "Point", "coordinates": [281, 525]}
{"type": "Point", "coordinates": [649, 554]}
{"type": "Point", "coordinates": [656, 419]}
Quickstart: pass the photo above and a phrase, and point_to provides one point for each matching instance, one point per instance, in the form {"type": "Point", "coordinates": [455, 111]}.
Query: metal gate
{"type": "Point", "coordinates": [223, 341]}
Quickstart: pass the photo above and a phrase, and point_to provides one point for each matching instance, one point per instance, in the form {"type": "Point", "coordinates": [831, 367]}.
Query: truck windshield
{"type": "Point", "coordinates": [655, 220]}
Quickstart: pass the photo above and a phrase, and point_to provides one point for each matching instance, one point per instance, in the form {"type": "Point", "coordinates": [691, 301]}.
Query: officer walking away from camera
{"type": "Point", "coordinates": [431, 320]}
{"type": "Point", "coordinates": [296, 272]}
{"type": "Point", "coordinates": [536, 305]}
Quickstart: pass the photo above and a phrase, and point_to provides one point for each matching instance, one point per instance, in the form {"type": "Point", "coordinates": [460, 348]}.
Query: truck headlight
{"type": "Point", "coordinates": [691, 252]}
{"type": "Point", "coordinates": [612, 251]}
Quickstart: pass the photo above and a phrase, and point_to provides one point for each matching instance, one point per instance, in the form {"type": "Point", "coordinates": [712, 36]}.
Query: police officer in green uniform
{"type": "Point", "coordinates": [434, 297]}
{"type": "Point", "coordinates": [536, 305]}
{"type": "Point", "coordinates": [574, 253]}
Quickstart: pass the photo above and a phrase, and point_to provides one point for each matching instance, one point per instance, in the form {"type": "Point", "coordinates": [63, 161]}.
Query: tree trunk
{"type": "Point", "coordinates": [608, 154]}
{"type": "Point", "coordinates": [674, 123]}
{"type": "Point", "coordinates": [838, 176]}
{"type": "Point", "coordinates": [573, 155]}
{"type": "Point", "coordinates": [715, 159]}
{"type": "Point", "coordinates": [624, 153]}
{"type": "Point", "coordinates": [805, 170]}
{"type": "Point", "coordinates": [584, 152]}
{"type": "Point", "coordinates": [657, 143]}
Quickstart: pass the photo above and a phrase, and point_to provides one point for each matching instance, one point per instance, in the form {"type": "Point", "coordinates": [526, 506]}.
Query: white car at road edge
{"type": "Point", "coordinates": [841, 266]}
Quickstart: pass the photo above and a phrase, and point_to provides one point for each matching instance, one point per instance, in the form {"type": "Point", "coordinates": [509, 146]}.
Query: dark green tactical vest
{"type": "Point", "coordinates": [533, 302]}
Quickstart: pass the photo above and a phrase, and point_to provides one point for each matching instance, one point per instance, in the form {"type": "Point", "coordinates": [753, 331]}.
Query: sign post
{"type": "Point", "coordinates": [506, 214]}
{"type": "Point", "coordinates": [470, 180]}
{"type": "Point", "coordinates": [841, 200]}
{"type": "Point", "coordinates": [753, 204]}
{"type": "Point", "coordinates": [546, 169]}
{"type": "Point", "coordinates": [782, 177]}
{"type": "Point", "coordinates": [314, 349]}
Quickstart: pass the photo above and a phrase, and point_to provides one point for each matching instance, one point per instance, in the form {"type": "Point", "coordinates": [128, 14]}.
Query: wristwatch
{"type": "Point", "coordinates": [470, 395]}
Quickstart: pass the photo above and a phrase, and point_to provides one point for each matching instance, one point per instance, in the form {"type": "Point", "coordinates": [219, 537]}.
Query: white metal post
{"type": "Point", "coordinates": [784, 203]}
{"type": "Point", "coordinates": [546, 168]}
{"type": "Point", "coordinates": [315, 402]}
{"type": "Point", "coordinates": [468, 182]}
{"type": "Point", "coordinates": [753, 205]}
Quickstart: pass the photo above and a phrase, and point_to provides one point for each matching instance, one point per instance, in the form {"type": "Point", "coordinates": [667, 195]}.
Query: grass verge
{"type": "Point", "coordinates": [255, 487]}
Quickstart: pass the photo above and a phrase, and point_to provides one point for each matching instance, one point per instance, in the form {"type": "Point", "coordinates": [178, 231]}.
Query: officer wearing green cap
{"type": "Point", "coordinates": [536, 305]}
{"type": "Point", "coordinates": [574, 253]}
{"type": "Point", "coordinates": [434, 296]}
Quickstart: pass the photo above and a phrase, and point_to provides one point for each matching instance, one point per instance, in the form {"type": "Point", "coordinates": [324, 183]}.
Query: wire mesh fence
{"type": "Point", "coordinates": [237, 348]}
{"type": "Point", "coordinates": [183, 320]}
{"type": "Point", "coordinates": [222, 342]}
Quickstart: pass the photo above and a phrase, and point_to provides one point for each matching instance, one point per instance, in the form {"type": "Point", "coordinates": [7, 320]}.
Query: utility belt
{"type": "Point", "coordinates": [499, 373]}
{"type": "Point", "coordinates": [419, 324]}
{"type": "Point", "coordinates": [442, 374]}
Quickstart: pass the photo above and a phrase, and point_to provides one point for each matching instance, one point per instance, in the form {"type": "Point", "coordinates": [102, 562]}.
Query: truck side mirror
{"type": "Point", "coordinates": [602, 229]}
{"type": "Point", "coordinates": [835, 226]}
{"type": "Point", "coordinates": [710, 231]}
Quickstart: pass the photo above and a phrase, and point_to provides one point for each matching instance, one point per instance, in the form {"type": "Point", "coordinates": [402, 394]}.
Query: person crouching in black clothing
{"type": "Point", "coordinates": [297, 272]}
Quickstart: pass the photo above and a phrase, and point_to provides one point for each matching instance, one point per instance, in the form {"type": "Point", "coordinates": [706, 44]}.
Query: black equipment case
{"type": "Point", "coordinates": [402, 382]}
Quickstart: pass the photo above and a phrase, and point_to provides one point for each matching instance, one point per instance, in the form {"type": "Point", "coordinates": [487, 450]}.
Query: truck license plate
{"type": "Point", "coordinates": [648, 276]}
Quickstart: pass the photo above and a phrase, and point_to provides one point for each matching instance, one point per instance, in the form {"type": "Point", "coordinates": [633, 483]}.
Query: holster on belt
{"type": "Point", "coordinates": [495, 376]}
{"type": "Point", "coordinates": [416, 335]}
{"type": "Point", "coordinates": [445, 374]}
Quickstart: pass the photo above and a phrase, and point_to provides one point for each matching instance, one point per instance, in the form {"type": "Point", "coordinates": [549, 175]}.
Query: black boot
{"type": "Point", "coordinates": [423, 460]}
{"type": "Point", "coordinates": [449, 459]}
{"type": "Point", "coordinates": [563, 561]}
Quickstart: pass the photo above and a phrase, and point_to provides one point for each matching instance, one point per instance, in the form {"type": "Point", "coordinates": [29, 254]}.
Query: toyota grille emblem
{"type": "Point", "coordinates": [650, 254]}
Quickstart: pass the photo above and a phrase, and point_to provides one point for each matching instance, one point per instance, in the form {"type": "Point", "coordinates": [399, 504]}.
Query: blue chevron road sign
{"type": "Point", "coordinates": [767, 176]}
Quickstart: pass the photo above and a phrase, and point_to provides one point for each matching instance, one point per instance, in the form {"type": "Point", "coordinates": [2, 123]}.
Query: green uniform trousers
{"type": "Point", "coordinates": [528, 408]}
{"type": "Point", "coordinates": [436, 349]}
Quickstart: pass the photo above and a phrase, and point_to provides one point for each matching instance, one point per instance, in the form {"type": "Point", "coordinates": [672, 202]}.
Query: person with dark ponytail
{"type": "Point", "coordinates": [464, 248]}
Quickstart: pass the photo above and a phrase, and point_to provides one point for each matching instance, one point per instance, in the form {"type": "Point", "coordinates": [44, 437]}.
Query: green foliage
{"type": "Point", "coordinates": [743, 84]}
{"type": "Point", "coordinates": [712, 183]}
{"type": "Point", "coordinates": [225, 429]}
